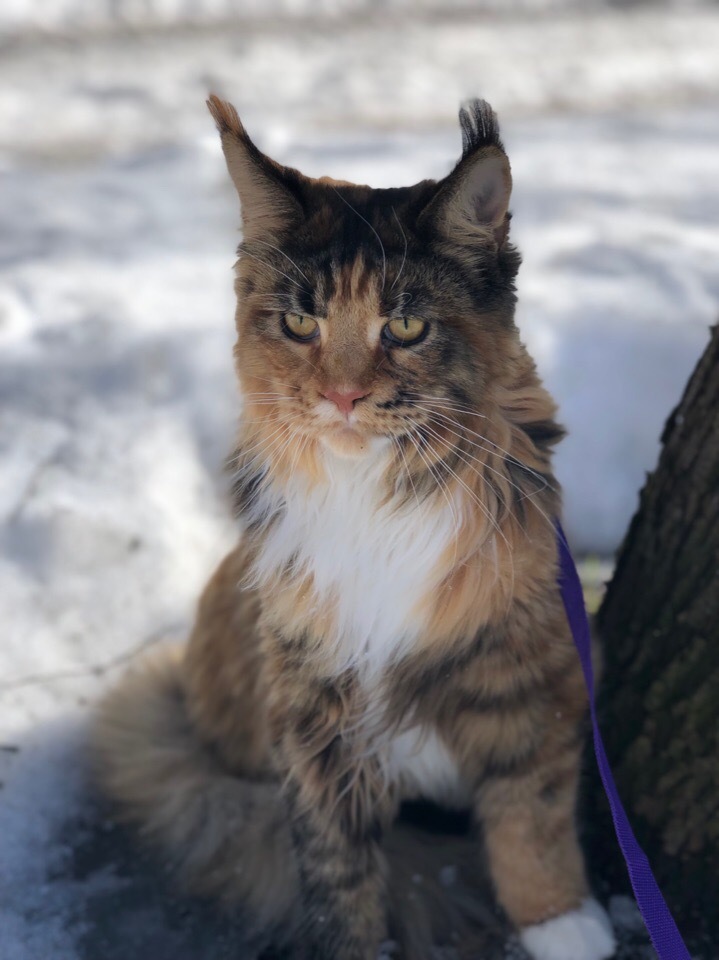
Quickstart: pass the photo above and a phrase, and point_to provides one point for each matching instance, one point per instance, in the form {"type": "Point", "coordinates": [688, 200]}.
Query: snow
{"type": "Point", "coordinates": [20, 17]}
{"type": "Point", "coordinates": [38, 918]}
{"type": "Point", "coordinates": [117, 400]}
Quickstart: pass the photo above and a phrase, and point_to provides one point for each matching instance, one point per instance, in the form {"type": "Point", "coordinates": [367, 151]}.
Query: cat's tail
{"type": "Point", "coordinates": [221, 834]}
{"type": "Point", "coordinates": [228, 836]}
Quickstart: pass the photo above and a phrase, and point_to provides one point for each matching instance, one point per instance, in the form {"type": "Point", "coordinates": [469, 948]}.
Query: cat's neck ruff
{"type": "Point", "coordinates": [374, 559]}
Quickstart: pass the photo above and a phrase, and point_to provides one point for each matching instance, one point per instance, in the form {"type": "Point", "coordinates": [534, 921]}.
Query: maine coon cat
{"type": "Point", "coordinates": [389, 626]}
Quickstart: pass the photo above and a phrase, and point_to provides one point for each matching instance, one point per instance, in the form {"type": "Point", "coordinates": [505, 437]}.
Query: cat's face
{"type": "Point", "coordinates": [367, 315]}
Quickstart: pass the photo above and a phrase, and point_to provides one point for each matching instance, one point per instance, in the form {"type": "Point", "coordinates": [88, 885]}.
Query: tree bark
{"type": "Point", "coordinates": [659, 623]}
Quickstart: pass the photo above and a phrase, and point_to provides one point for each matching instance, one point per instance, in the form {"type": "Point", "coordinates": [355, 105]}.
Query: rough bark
{"type": "Point", "coordinates": [660, 628]}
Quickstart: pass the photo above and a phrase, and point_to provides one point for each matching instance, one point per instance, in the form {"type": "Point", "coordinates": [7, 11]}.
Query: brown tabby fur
{"type": "Point", "coordinates": [252, 755]}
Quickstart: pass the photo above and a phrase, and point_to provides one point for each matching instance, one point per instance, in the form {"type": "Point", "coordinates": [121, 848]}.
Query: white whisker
{"type": "Point", "coordinates": [270, 266]}
{"type": "Point", "coordinates": [463, 455]}
{"type": "Point", "coordinates": [404, 255]}
{"type": "Point", "coordinates": [286, 256]}
{"type": "Point", "coordinates": [543, 480]}
{"type": "Point", "coordinates": [379, 239]}
{"type": "Point", "coordinates": [445, 490]}
{"type": "Point", "coordinates": [446, 404]}
{"type": "Point", "coordinates": [398, 445]}
{"type": "Point", "coordinates": [483, 507]}
{"type": "Point", "coordinates": [274, 382]}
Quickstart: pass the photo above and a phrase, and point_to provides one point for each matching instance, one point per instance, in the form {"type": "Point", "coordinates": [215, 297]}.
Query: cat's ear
{"type": "Point", "coordinates": [267, 190]}
{"type": "Point", "coordinates": [472, 203]}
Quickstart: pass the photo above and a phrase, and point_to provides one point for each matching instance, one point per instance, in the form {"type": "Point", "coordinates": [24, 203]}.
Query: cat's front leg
{"type": "Point", "coordinates": [536, 861]}
{"type": "Point", "coordinates": [333, 802]}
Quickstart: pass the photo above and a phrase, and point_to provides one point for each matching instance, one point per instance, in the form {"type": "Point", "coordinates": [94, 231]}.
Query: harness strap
{"type": "Point", "coordinates": [659, 922]}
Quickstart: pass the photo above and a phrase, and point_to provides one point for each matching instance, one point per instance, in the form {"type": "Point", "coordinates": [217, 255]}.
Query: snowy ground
{"type": "Point", "coordinates": [117, 404]}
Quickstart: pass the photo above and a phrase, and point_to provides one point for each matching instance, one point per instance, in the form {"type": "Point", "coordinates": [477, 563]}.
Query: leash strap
{"type": "Point", "coordinates": [658, 920]}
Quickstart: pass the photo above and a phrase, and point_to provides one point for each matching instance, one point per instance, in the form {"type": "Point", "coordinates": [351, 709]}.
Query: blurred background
{"type": "Point", "coordinates": [117, 235]}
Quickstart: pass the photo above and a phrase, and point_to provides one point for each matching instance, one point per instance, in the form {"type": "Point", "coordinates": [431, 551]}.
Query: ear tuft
{"type": "Point", "coordinates": [266, 189]}
{"type": "Point", "coordinates": [471, 204]}
{"type": "Point", "coordinates": [480, 126]}
{"type": "Point", "coordinates": [225, 116]}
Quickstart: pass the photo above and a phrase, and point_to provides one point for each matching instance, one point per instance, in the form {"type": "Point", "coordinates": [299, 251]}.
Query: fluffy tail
{"type": "Point", "coordinates": [225, 836]}
{"type": "Point", "coordinates": [228, 836]}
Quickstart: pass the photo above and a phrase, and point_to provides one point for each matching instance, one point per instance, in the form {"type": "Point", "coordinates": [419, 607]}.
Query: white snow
{"type": "Point", "coordinates": [78, 16]}
{"type": "Point", "coordinates": [117, 230]}
{"type": "Point", "coordinates": [38, 918]}
{"type": "Point", "coordinates": [625, 915]}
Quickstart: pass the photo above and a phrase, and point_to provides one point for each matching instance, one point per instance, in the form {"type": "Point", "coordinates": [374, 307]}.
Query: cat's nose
{"type": "Point", "coordinates": [344, 400]}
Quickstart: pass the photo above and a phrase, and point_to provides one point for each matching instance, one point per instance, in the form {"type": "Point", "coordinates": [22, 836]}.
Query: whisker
{"type": "Point", "coordinates": [286, 419]}
{"type": "Point", "coordinates": [445, 403]}
{"type": "Point", "coordinates": [275, 382]}
{"type": "Point", "coordinates": [244, 453]}
{"type": "Point", "coordinates": [524, 495]}
{"type": "Point", "coordinates": [543, 480]}
{"type": "Point", "coordinates": [398, 445]}
{"type": "Point", "coordinates": [483, 507]}
{"type": "Point", "coordinates": [286, 256]}
{"type": "Point", "coordinates": [443, 425]}
{"type": "Point", "coordinates": [444, 487]}
{"type": "Point", "coordinates": [300, 448]}
{"type": "Point", "coordinates": [379, 239]}
{"type": "Point", "coordinates": [404, 255]}
{"type": "Point", "coordinates": [405, 297]}
{"type": "Point", "coordinates": [270, 458]}
{"type": "Point", "coordinates": [442, 484]}
{"type": "Point", "coordinates": [276, 299]}
{"type": "Point", "coordinates": [275, 419]}
{"type": "Point", "coordinates": [270, 266]}
{"type": "Point", "coordinates": [262, 439]}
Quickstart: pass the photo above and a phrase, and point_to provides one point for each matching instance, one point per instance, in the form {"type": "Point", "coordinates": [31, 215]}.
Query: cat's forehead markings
{"type": "Point", "coordinates": [356, 299]}
{"type": "Point", "coordinates": [356, 279]}
{"type": "Point", "coordinates": [350, 281]}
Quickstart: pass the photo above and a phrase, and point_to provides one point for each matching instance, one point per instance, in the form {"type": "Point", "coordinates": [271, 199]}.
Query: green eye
{"type": "Point", "coordinates": [298, 327]}
{"type": "Point", "coordinates": [405, 331]}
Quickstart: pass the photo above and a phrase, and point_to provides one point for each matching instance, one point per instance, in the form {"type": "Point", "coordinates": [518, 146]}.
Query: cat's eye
{"type": "Point", "coordinates": [404, 331]}
{"type": "Point", "coordinates": [298, 327]}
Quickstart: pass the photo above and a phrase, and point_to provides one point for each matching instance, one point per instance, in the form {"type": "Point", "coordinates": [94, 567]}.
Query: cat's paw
{"type": "Point", "coordinates": [583, 934]}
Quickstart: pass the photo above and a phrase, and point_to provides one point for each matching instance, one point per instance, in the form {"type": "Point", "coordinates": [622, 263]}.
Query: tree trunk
{"type": "Point", "coordinates": [659, 623]}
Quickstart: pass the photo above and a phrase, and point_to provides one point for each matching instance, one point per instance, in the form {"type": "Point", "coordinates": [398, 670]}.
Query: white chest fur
{"type": "Point", "coordinates": [371, 563]}
{"type": "Point", "coordinates": [422, 766]}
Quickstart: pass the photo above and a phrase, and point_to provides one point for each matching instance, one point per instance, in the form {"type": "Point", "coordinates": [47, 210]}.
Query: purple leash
{"type": "Point", "coordinates": [658, 920]}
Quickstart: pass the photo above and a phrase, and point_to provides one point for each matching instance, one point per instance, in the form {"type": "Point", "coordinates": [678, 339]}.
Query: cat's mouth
{"type": "Point", "coordinates": [352, 441]}
{"type": "Point", "coordinates": [356, 433]}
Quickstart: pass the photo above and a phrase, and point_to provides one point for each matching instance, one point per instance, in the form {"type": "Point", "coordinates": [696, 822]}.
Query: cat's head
{"type": "Point", "coordinates": [365, 313]}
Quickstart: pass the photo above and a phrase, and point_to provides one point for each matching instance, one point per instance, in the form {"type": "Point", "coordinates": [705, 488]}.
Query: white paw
{"type": "Point", "coordinates": [583, 934]}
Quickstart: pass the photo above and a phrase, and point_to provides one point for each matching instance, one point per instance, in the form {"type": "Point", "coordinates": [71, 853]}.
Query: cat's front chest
{"type": "Point", "coordinates": [374, 562]}
{"type": "Point", "coordinates": [422, 766]}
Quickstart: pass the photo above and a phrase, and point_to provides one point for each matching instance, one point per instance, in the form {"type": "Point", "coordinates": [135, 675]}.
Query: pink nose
{"type": "Point", "coordinates": [344, 400]}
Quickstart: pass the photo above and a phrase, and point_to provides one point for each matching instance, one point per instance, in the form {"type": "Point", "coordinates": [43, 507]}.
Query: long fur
{"type": "Point", "coordinates": [340, 533]}
{"type": "Point", "coordinates": [389, 626]}
{"type": "Point", "coordinates": [228, 836]}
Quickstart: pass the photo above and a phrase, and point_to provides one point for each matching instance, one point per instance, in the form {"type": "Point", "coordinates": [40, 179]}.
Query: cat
{"type": "Point", "coordinates": [389, 626]}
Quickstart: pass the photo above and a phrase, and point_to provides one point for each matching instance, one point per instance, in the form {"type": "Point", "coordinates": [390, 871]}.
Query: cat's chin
{"type": "Point", "coordinates": [349, 444]}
